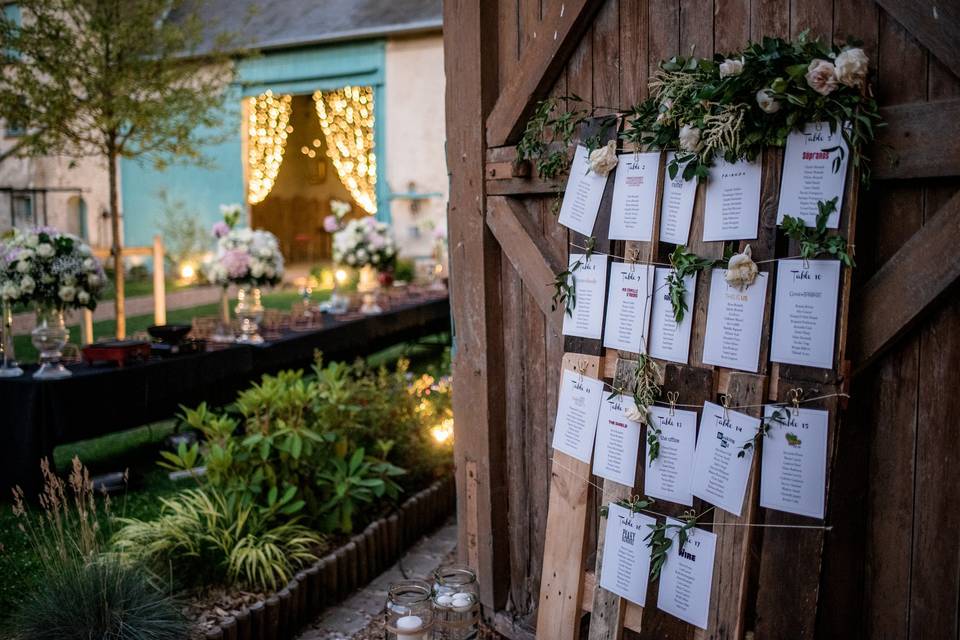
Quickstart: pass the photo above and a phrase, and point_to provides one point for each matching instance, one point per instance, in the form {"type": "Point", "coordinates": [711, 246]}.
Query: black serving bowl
{"type": "Point", "coordinates": [169, 333]}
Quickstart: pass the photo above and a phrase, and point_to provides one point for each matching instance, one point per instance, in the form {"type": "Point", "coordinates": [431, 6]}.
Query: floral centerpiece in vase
{"type": "Point", "coordinates": [250, 259]}
{"type": "Point", "coordinates": [54, 272]}
{"type": "Point", "coordinates": [338, 302]}
{"type": "Point", "coordinates": [367, 245]}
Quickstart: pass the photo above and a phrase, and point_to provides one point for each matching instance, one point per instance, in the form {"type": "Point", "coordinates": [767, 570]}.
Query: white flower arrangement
{"type": "Point", "coordinates": [364, 242]}
{"type": "Point", "coordinates": [246, 256]}
{"type": "Point", "coordinates": [50, 269]}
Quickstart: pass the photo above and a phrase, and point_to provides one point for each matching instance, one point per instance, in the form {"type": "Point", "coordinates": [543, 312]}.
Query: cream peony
{"type": "Point", "coordinates": [604, 159]}
{"type": "Point", "coordinates": [67, 293]}
{"type": "Point", "coordinates": [851, 67]}
{"type": "Point", "coordinates": [731, 67]}
{"type": "Point", "coordinates": [766, 102]}
{"type": "Point", "coordinates": [83, 297]}
{"type": "Point", "coordinates": [636, 414]}
{"type": "Point", "coordinates": [45, 250]}
{"type": "Point", "coordinates": [741, 270]}
{"type": "Point", "coordinates": [822, 76]}
{"type": "Point", "coordinates": [689, 138]}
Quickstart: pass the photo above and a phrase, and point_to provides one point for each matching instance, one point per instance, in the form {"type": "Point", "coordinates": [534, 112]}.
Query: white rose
{"type": "Point", "coordinates": [256, 269]}
{"type": "Point", "coordinates": [67, 293]}
{"type": "Point", "coordinates": [731, 67]}
{"type": "Point", "coordinates": [32, 240]}
{"type": "Point", "coordinates": [45, 250]}
{"type": "Point", "coordinates": [89, 264]}
{"type": "Point", "coordinates": [93, 279]}
{"type": "Point", "coordinates": [689, 138]}
{"type": "Point", "coordinates": [26, 254]}
{"type": "Point", "coordinates": [604, 159]}
{"type": "Point", "coordinates": [741, 270]}
{"type": "Point", "coordinates": [351, 260]}
{"type": "Point", "coordinates": [361, 254]}
{"type": "Point", "coordinates": [23, 266]}
{"type": "Point", "coordinates": [851, 67]}
{"type": "Point", "coordinates": [636, 414]}
{"type": "Point", "coordinates": [766, 102]}
{"type": "Point", "coordinates": [10, 291]}
{"type": "Point", "coordinates": [83, 297]}
{"type": "Point", "coordinates": [27, 284]}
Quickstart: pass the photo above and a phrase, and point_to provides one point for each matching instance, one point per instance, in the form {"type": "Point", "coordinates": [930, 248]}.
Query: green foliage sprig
{"type": "Point", "coordinates": [565, 284]}
{"type": "Point", "coordinates": [684, 263]}
{"type": "Point", "coordinates": [780, 416]}
{"type": "Point", "coordinates": [816, 241]}
{"type": "Point", "coordinates": [548, 134]}
{"type": "Point", "coordinates": [646, 391]}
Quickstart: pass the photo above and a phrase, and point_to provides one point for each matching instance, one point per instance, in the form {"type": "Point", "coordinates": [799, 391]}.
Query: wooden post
{"type": "Point", "coordinates": [159, 283]}
{"type": "Point", "coordinates": [86, 327]}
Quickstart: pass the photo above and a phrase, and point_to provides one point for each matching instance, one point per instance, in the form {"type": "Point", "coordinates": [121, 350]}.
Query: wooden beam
{"type": "Point", "coordinates": [907, 285]}
{"type": "Point", "coordinates": [935, 25]}
{"type": "Point", "coordinates": [534, 266]}
{"type": "Point", "coordinates": [563, 24]}
{"type": "Point", "coordinates": [633, 614]}
{"type": "Point", "coordinates": [505, 177]}
{"type": "Point", "coordinates": [912, 145]}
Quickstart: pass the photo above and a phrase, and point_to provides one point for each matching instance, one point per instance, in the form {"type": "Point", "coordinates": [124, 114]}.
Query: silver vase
{"type": "Point", "coordinates": [49, 337]}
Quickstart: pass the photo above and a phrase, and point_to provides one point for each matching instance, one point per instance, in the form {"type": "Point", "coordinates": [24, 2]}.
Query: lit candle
{"type": "Point", "coordinates": [410, 628]}
{"type": "Point", "coordinates": [462, 601]}
{"type": "Point", "coordinates": [445, 600]}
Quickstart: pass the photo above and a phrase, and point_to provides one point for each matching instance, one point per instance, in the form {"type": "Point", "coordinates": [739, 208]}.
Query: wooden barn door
{"type": "Point", "coordinates": [891, 566]}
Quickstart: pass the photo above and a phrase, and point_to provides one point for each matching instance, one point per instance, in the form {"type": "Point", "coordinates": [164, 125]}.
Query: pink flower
{"type": "Point", "coordinates": [331, 224]}
{"type": "Point", "coordinates": [377, 242]}
{"type": "Point", "coordinates": [220, 229]}
{"type": "Point", "coordinates": [236, 262]}
{"type": "Point", "coordinates": [822, 76]}
{"type": "Point", "coordinates": [439, 233]}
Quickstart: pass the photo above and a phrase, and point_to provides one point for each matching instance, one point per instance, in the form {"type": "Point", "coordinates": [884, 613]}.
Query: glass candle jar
{"type": "Point", "coordinates": [409, 611]}
{"type": "Point", "coordinates": [456, 603]}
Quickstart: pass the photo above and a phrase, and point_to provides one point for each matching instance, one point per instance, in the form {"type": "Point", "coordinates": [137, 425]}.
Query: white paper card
{"type": "Point", "coordinates": [687, 576]}
{"type": "Point", "coordinates": [734, 323]}
{"type": "Point", "coordinates": [581, 198]}
{"type": "Point", "coordinates": [805, 312]}
{"type": "Point", "coordinates": [794, 461]}
{"type": "Point", "coordinates": [719, 473]}
{"type": "Point", "coordinates": [628, 306]}
{"type": "Point", "coordinates": [670, 476]}
{"type": "Point", "coordinates": [577, 410]}
{"type": "Point", "coordinates": [634, 197]}
{"type": "Point", "coordinates": [676, 206]}
{"type": "Point", "coordinates": [618, 441]}
{"type": "Point", "coordinates": [732, 204]}
{"type": "Point", "coordinates": [814, 168]}
{"type": "Point", "coordinates": [625, 567]}
{"type": "Point", "coordinates": [590, 280]}
{"type": "Point", "coordinates": [670, 340]}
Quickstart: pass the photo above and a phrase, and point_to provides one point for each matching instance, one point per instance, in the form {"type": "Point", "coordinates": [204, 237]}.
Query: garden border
{"type": "Point", "coordinates": [333, 577]}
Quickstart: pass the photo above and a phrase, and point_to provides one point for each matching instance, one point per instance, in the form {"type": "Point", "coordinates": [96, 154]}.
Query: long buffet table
{"type": "Point", "coordinates": [36, 416]}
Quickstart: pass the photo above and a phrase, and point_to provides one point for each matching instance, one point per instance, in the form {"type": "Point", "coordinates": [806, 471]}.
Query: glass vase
{"type": "Point", "coordinates": [8, 362]}
{"type": "Point", "coordinates": [369, 286]}
{"type": "Point", "coordinates": [249, 312]}
{"type": "Point", "coordinates": [49, 337]}
{"type": "Point", "coordinates": [456, 603]}
{"type": "Point", "coordinates": [224, 330]}
{"type": "Point", "coordinates": [409, 613]}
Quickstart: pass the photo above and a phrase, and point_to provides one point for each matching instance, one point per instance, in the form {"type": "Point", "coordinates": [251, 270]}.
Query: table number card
{"type": "Point", "coordinates": [670, 476]}
{"type": "Point", "coordinates": [814, 168]}
{"type": "Point", "coordinates": [676, 206]}
{"type": "Point", "coordinates": [577, 411]}
{"type": "Point", "coordinates": [794, 463]}
{"type": "Point", "coordinates": [628, 306]}
{"type": "Point", "coordinates": [719, 474]}
{"type": "Point", "coordinates": [734, 323]}
{"type": "Point", "coordinates": [805, 312]}
{"type": "Point", "coordinates": [668, 339]}
{"type": "Point", "coordinates": [732, 205]}
{"type": "Point", "coordinates": [625, 567]}
{"type": "Point", "coordinates": [590, 280]}
{"type": "Point", "coordinates": [581, 199]}
{"type": "Point", "coordinates": [618, 441]}
{"type": "Point", "coordinates": [634, 197]}
{"type": "Point", "coordinates": [687, 576]}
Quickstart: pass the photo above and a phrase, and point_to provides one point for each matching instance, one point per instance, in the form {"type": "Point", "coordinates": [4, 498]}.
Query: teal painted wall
{"type": "Point", "coordinates": [298, 71]}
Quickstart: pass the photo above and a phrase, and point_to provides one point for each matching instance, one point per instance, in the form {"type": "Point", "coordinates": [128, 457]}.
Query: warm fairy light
{"type": "Point", "coordinates": [341, 276]}
{"type": "Point", "coordinates": [267, 131]}
{"type": "Point", "coordinates": [346, 117]}
{"type": "Point", "coordinates": [442, 432]}
{"type": "Point", "coordinates": [187, 272]}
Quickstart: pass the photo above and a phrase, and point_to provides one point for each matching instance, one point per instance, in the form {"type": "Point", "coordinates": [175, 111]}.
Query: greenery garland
{"type": "Point", "coordinates": [816, 241]}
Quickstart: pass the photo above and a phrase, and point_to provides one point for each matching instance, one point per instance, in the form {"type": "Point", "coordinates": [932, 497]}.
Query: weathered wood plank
{"type": "Point", "coordinates": [936, 25]}
{"type": "Point", "coordinates": [912, 145]}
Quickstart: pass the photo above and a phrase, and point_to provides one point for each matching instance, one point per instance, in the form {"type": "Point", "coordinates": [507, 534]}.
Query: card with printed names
{"type": "Point", "coordinates": [618, 441]}
{"type": "Point", "coordinates": [732, 201]}
{"type": "Point", "coordinates": [793, 473]}
{"type": "Point", "coordinates": [670, 476]}
{"type": "Point", "coordinates": [814, 169]}
{"type": "Point", "coordinates": [720, 474]}
{"type": "Point", "coordinates": [634, 197]}
{"type": "Point", "coordinates": [734, 323]}
{"type": "Point", "coordinates": [585, 320]}
{"type": "Point", "coordinates": [687, 576]}
{"type": "Point", "coordinates": [805, 312]}
{"type": "Point", "coordinates": [625, 568]}
{"type": "Point", "coordinates": [629, 302]}
{"type": "Point", "coordinates": [676, 206]}
{"type": "Point", "coordinates": [577, 410]}
{"type": "Point", "coordinates": [669, 339]}
{"type": "Point", "coordinates": [581, 198]}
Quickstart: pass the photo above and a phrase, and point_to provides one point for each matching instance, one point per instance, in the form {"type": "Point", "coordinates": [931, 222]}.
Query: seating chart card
{"type": "Point", "coordinates": [625, 568]}
{"type": "Point", "coordinates": [719, 473]}
{"type": "Point", "coordinates": [670, 476]}
{"type": "Point", "coordinates": [577, 411]}
{"type": "Point", "coordinates": [590, 280]}
{"type": "Point", "coordinates": [805, 312]}
{"type": "Point", "coordinates": [814, 169]}
{"type": "Point", "coordinates": [634, 197]}
{"type": "Point", "coordinates": [628, 306]}
{"type": "Point", "coordinates": [676, 206]}
{"type": "Point", "coordinates": [581, 199]}
{"type": "Point", "coordinates": [732, 205]}
{"type": "Point", "coordinates": [793, 474]}
{"type": "Point", "coordinates": [668, 339]}
{"type": "Point", "coordinates": [734, 323]}
{"type": "Point", "coordinates": [687, 576]}
{"type": "Point", "coordinates": [618, 441]}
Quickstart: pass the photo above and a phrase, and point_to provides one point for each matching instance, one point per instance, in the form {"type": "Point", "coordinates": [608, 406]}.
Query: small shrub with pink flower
{"type": "Point", "coordinates": [243, 256]}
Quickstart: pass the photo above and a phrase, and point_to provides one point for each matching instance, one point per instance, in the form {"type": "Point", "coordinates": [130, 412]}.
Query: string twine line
{"type": "Point", "coordinates": [665, 264]}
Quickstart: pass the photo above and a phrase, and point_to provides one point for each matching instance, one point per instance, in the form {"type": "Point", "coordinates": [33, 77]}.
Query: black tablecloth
{"type": "Point", "coordinates": [36, 416]}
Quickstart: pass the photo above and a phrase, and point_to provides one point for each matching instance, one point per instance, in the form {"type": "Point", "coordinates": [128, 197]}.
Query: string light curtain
{"type": "Point", "coordinates": [267, 129]}
{"type": "Point", "coordinates": [346, 117]}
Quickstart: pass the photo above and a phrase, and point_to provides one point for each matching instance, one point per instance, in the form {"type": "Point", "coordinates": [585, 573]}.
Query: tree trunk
{"type": "Point", "coordinates": [116, 248]}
